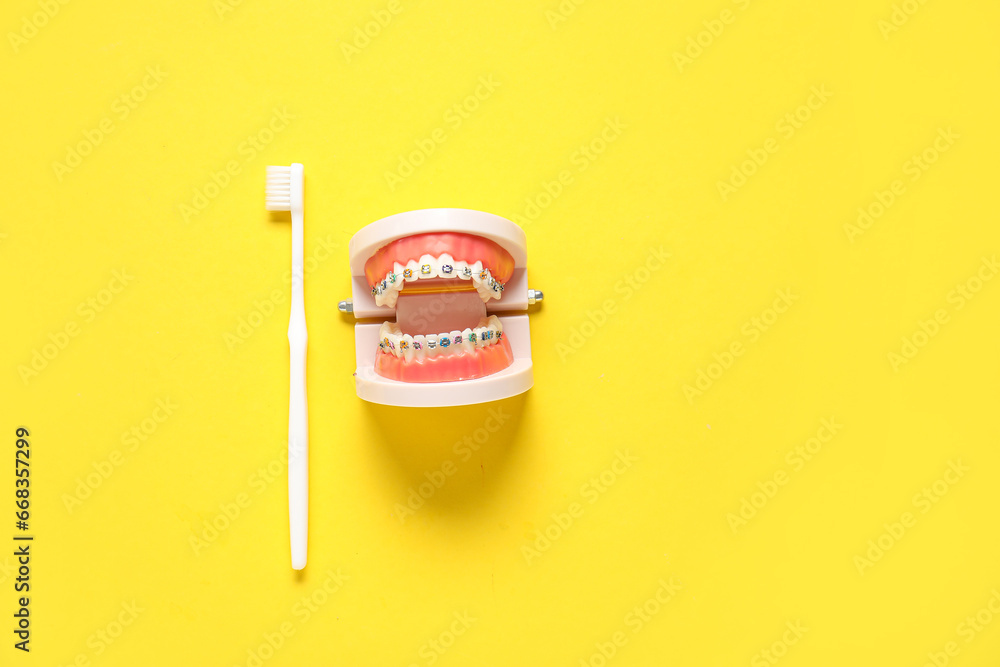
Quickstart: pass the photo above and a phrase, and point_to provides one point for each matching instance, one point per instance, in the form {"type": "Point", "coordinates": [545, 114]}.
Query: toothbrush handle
{"type": "Point", "coordinates": [298, 417]}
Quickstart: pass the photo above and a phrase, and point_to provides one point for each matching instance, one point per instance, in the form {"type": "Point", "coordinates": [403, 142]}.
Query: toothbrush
{"type": "Point", "coordinates": [284, 193]}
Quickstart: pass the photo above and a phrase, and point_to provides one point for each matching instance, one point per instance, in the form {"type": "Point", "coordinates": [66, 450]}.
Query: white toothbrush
{"type": "Point", "coordinates": [284, 193]}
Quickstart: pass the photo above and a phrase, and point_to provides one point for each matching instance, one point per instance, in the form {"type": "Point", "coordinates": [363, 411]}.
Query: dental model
{"type": "Point", "coordinates": [450, 287]}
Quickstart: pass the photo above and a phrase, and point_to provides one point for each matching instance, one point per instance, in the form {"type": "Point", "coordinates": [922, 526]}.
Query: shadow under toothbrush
{"type": "Point", "coordinates": [452, 460]}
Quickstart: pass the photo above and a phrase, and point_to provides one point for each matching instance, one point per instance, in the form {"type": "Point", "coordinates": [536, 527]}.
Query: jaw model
{"type": "Point", "coordinates": [447, 289]}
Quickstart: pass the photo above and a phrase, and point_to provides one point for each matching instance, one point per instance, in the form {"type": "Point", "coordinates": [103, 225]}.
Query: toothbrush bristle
{"type": "Point", "coordinates": [278, 191]}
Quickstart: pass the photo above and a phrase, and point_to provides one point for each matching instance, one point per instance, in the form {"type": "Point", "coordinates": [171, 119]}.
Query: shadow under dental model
{"type": "Point", "coordinates": [451, 460]}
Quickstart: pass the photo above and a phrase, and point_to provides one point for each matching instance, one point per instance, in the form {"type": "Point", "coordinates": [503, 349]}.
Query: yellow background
{"type": "Point", "coordinates": [600, 391]}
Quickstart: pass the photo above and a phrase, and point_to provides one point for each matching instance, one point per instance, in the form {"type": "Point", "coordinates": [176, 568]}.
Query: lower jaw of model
{"type": "Point", "coordinates": [442, 331]}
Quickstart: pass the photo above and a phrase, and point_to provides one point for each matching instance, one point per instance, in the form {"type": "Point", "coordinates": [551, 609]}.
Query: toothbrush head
{"type": "Point", "coordinates": [283, 191]}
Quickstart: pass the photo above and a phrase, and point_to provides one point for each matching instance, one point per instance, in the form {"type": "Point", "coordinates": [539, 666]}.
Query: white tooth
{"type": "Point", "coordinates": [379, 294]}
{"type": "Point", "coordinates": [414, 271]}
{"type": "Point", "coordinates": [479, 330]}
{"type": "Point", "coordinates": [480, 278]}
{"type": "Point", "coordinates": [397, 338]}
{"type": "Point", "coordinates": [487, 287]}
{"type": "Point", "coordinates": [454, 336]}
{"type": "Point", "coordinates": [389, 335]}
{"type": "Point", "coordinates": [462, 270]}
{"type": "Point", "coordinates": [494, 325]}
{"type": "Point", "coordinates": [406, 346]}
{"type": "Point", "coordinates": [446, 266]}
{"type": "Point", "coordinates": [383, 332]}
{"type": "Point", "coordinates": [428, 266]}
{"type": "Point", "coordinates": [393, 283]}
{"type": "Point", "coordinates": [467, 345]}
{"type": "Point", "coordinates": [420, 346]}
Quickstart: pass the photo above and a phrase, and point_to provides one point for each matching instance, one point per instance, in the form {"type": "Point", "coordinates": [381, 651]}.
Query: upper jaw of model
{"type": "Point", "coordinates": [386, 292]}
{"type": "Point", "coordinates": [443, 255]}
